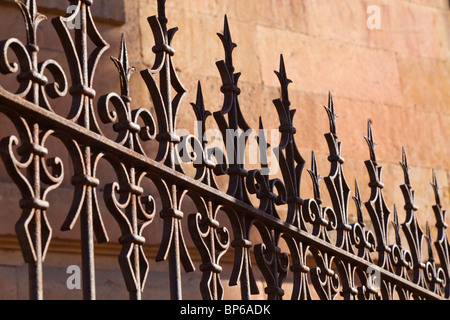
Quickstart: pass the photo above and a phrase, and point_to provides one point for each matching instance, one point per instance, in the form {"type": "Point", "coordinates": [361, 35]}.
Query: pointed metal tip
{"type": "Point", "coordinates": [331, 103]}
{"type": "Point", "coordinates": [395, 222]}
{"type": "Point", "coordinates": [404, 164]}
{"type": "Point", "coordinates": [261, 127]}
{"type": "Point", "coordinates": [199, 102]}
{"type": "Point", "coordinates": [436, 188]}
{"type": "Point", "coordinates": [281, 61]}
{"type": "Point", "coordinates": [226, 25]}
{"type": "Point", "coordinates": [356, 187]}
{"type": "Point", "coordinates": [369, 130]}
{"type": "Point", "coordinates": [313, 162]}
{"type": "Point", "coordinates": [434, 178]}
{"type": "Point", "coordinates": [199, 86]}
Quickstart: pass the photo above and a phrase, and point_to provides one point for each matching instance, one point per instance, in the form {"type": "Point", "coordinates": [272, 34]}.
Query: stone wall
{"type": "Point", "coordinates": [397, 76]}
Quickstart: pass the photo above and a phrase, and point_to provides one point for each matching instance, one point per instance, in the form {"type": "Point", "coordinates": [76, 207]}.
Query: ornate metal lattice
{"type": "Point", "coordinates": [357, 262]}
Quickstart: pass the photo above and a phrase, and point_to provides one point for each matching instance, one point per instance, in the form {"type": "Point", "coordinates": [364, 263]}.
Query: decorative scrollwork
{"type": "Point", "coordinates": [299, 267]}
{"type": "Point", "coordinates": [325, 280]}
{"type": "Point", "coordinates": [364, 241]}
{"type": "Point", "coordinates": [362, 238]}
{"type": "Point", "coordinates": [31, 73]}
{"type": "Point", "coordinates": [82, 64]}
{"type": "Point", "coordinates": [258, 181]}
{"type": "Point", "coordinates": [166, 108]}
{"type": "Point", "coordinates": [33, 228]}
{"type": "Point", "coordinates": [401, 259]}
{"type": "Point", "coordinates": [128, 210]}
{"type": "Point", "coordinates": [234, 128]}
{"type": "Point", "coordinates": [173, 247]}
{"type": "Point", "coordinates": [24, 64]}
{"type": "Point", "coordinates": [435, 276]}
{"type": "Point", "coordinates": [212, 241]}
{"type": "Point", "coordinates": [312, 209]}
{"type": "Point", "coordinates": [272, 262]}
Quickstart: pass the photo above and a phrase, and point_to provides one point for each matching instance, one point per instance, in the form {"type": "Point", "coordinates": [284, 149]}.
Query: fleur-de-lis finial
{"type": "Point", "coordinates": [332, 116]}
{"type": "Point", "coordinates": [32, 18]}
{"type": "Point", "coordinates": [283, 107]}
{"type": "Point", "coordinates": [372, 144]}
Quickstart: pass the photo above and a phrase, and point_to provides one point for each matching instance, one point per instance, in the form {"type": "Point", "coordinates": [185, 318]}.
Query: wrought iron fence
{"type": "Point", "coordinates": [351, 260]}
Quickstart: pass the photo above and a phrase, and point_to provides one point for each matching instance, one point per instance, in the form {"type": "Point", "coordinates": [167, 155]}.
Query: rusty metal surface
{"type": "Point", "coordinates": [342, 264]}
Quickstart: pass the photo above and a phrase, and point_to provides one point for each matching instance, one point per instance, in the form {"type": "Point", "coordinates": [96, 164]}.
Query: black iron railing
{"type": "Point", "coordinates": [351, 260]}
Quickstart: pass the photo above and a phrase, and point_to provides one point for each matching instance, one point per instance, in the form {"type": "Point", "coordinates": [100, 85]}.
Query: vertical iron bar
{"type": "Point", "coordinates": [35, 269]}
{"type": "Point", "coordinates": [174, 257]}
{"type": "Point", "coordinates": [87, 238]}
{"type": "Point", "coordinates": [137, 295]}
{"type": "Point", "coordinates": [86, 219]}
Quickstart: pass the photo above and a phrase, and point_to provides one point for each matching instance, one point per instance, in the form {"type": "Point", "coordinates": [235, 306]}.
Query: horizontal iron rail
{"type": "Point", "coordinates": [82, 135]}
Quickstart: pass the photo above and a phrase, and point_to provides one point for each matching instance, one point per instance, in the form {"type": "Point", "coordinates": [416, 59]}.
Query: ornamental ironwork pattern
{"type": "Point", "coordinates": [353, 261]}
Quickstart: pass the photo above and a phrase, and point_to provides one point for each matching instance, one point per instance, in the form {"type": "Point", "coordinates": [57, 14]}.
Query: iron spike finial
{"type": "Point", "coordinates": [32, 19]}
{"type": "Point", "coordinates": [228, 44]}
{"type": "Point", "coordinates": [359, 203]}
{"type": "Point", "coordinates": [331, 114]}
{"type": "Point", "coordinates": [199, 109]}
{"type": "Point", "coordinates": [284, 81]}
{"type": "Point", "coordinates": [123, 66]}
{"type": "Point", "coordinates": [371, 143]}
{"type": "Point", "coordinates": [436, 188]}
{"type": "Point", "coordinates": [405, 167]}
{"type": "Point", "coordinates": [123, 53]}
{"type": "Point", "coordinates": [396, 225]}
{"type": "Point", "coordinates": [315, 177]}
